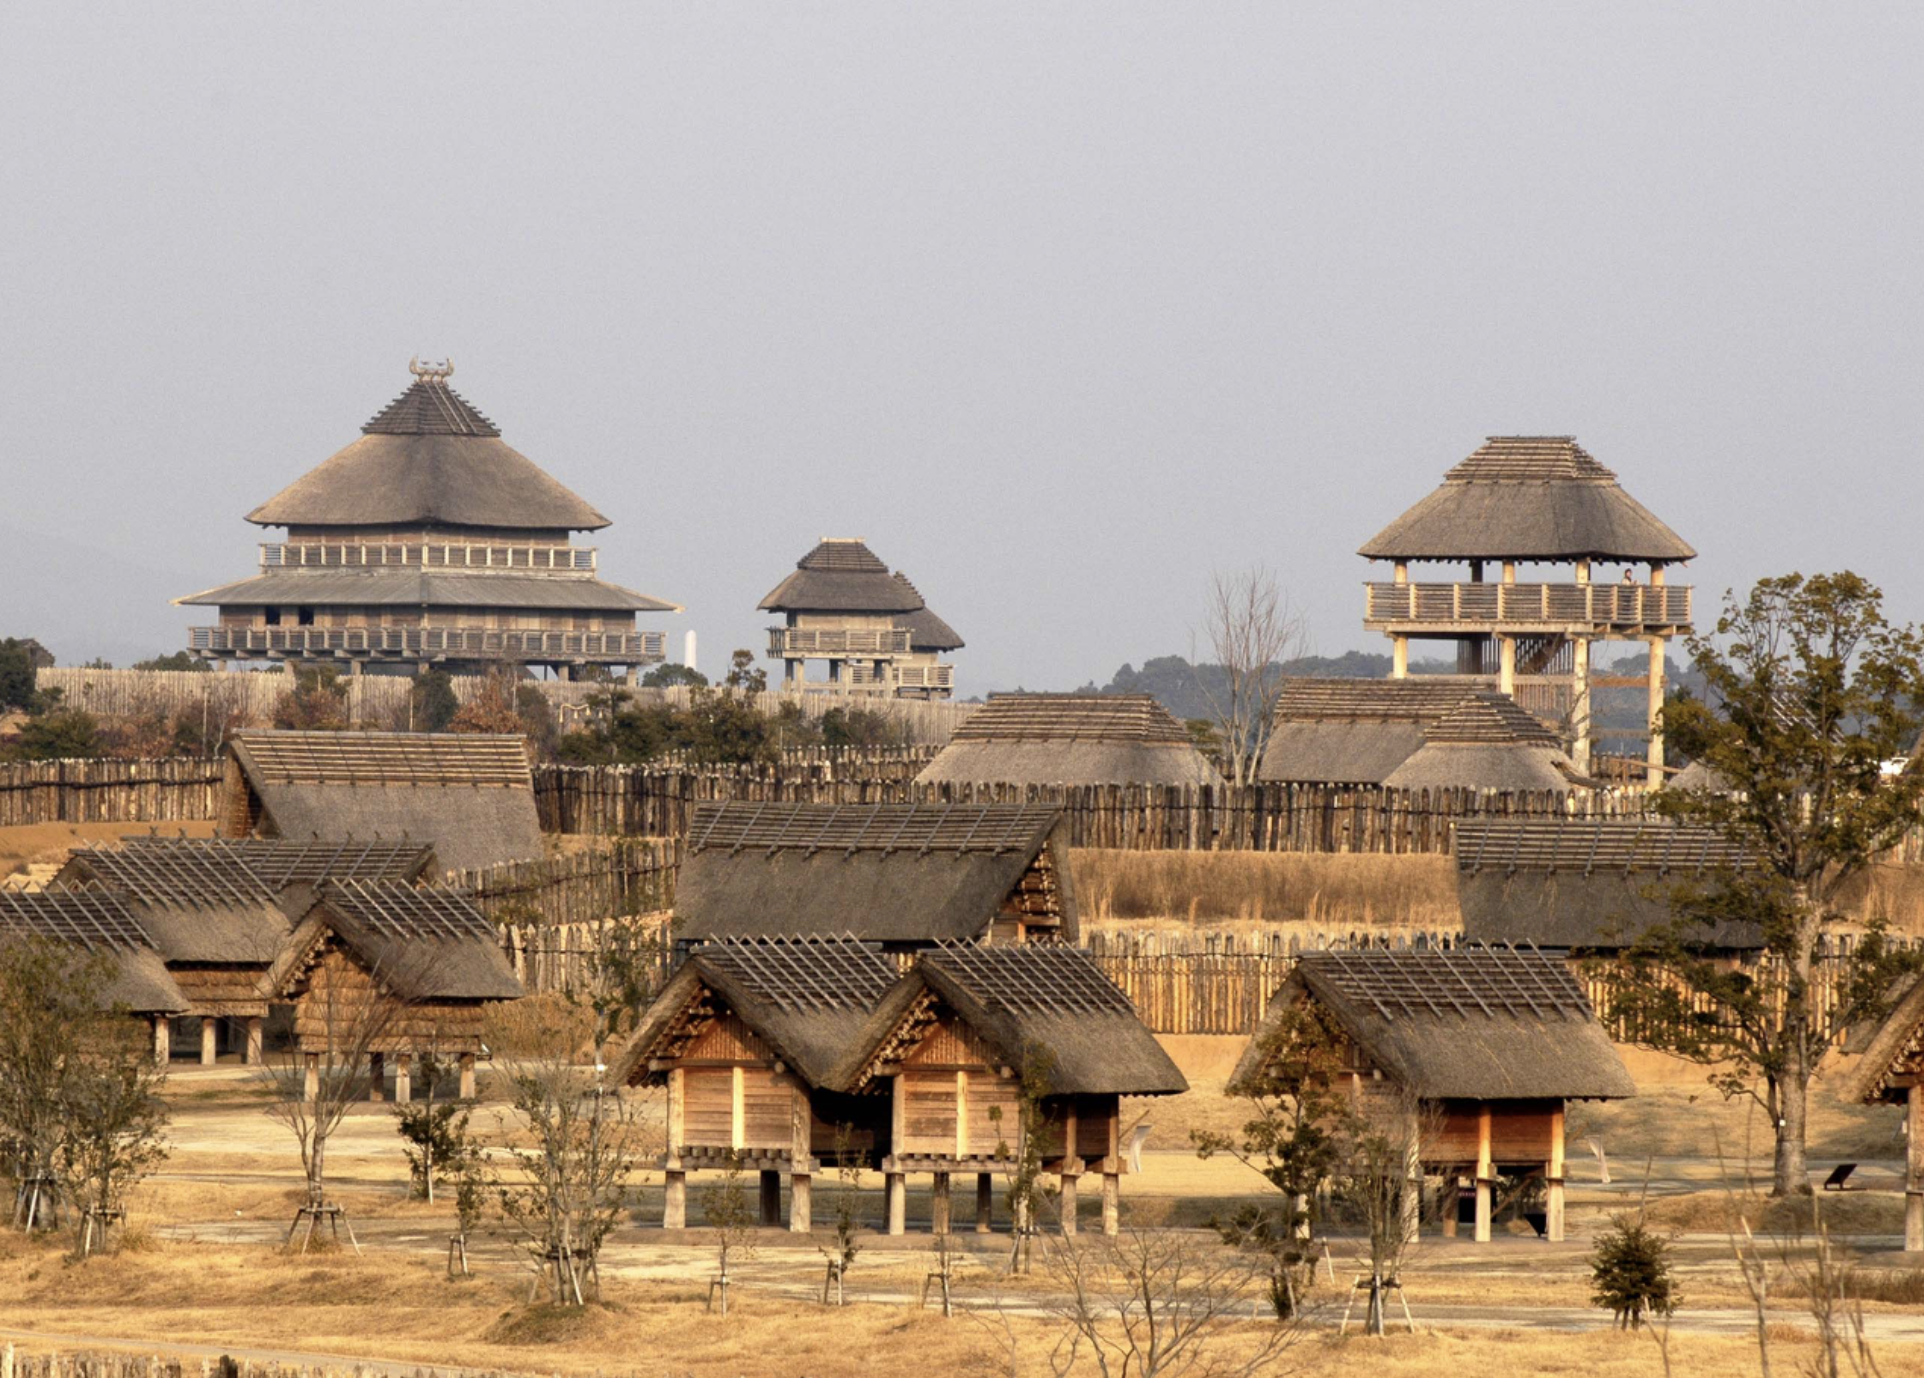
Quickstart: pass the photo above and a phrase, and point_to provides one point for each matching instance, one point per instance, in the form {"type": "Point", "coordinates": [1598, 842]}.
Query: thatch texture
{"type": "Point", "coordinates": [195, 905]}
{"type": "Point", "coordinates": [1486, 742]}
{"type": "Point", "coordinates": [417, 589]}
{"type": "Point", "coordinates": [842, 575]}
{"type": "Point", "coordinates": [429, 459]}
{"type": "Point", "coordinates": [1038, 1000]}
{"type": "Point", "coordinates": [469, 796]}
{"type": "Point", "coordinates": [1476, 1023]}
{"type": "Point", "coordinates": [902, 874]}
{"type": "Point", "coordinates": [1528, 498]}
{"type": "Point", "coordinates": [1353, 731]}
{"type": "Point", "coordinates": [1591, 883]}
{"type": "Point", "coordinates": [1890, 1048]}
{"type": "Point", "coordinates": [1071, 739]}
{"type": "Point", "coordinates": [808, 999]}
{"type": "Point", "coordinates": [423, 945]}
{"type": "Point", "coordinates": [278, 863]}
{"type": "Point", "coordinates": [927, 632]}
{"type": "Point", "coordinates": [100, 924]}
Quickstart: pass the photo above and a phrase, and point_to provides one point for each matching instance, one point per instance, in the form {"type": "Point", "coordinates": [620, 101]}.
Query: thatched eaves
{"type": "Point", "coordinates": [278, 863]}
{"type": "Point", "coordinates": [927, 632]}
{"type": "Point", "coordinates": [1071, 739]}
{"type": "Point", "coordinates": [903, 874]}
{"type": "Point", "coordinates": [1474, 1023]}
{"type": "Point", "coordinates": [1529, 498]}
{"type": "Point", "coordinates": [1889, 1049]}
{"type": "Point", "coordinates": [196, 905]}
{"type": "Point", "coordinates": [429, 459]}
{"type": "Point", "coordinates": [416, 588]}
{"type": "Point", "coordinates": [841, 574]}
{"type": "Point", "coordinates": [101, 924]}
{"type": "Point", "coordinates": [1038, 1000]}
{"type": "Point", "coordinates": [422, 945]}
{"type": "Point", "coordinates": [1354, 731]}
{"type": "Point", "coordinates": [1487, 742]}
{"type": "Point", "coordinates": [808, 999]}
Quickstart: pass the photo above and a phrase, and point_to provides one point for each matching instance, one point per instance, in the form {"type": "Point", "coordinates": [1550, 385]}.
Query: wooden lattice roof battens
{"type": "Point", "coordinates": [94, 919]}
{"type": "Point", "coordinates": [883, 828]}
{"type": "Point", "coordinates": [389, 909]}
{"type": "Point", "coordinates": [1391, 981]}
{"type": "Point", "coordinates": [373, 758]}
{"type": "Point", "coordinates": [175, 877]}
{"type": "Point", "coordinates": [804, 973]}
{"type": "Point", "coordinates": [1589, 845]}
{"type": "Point", "coordinates": [1072, 717]}
{"type": "Point", "coordinates": [1031, 977]}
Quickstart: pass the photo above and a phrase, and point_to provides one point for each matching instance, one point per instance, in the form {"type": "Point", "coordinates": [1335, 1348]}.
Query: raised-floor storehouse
{"type": "Point", "coordinates": [867, 629]}
{"type": "Point", "coordinates": [1543, 501]}
{"type": "Point", "coordinates": [427, 542]}
{"type": "Point", "coordinates": [100, 927]}
{"type": "Point", "coordinates": [1071, 739]}
{"type": "Point", "coordinates": [1890, 1071]}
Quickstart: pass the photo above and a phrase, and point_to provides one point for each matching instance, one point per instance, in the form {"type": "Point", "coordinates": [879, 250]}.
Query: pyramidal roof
{"type": "Point", "coordinates": [429, 458]}
{"type": "Point", "coordinates": [841, 574]}
{"type": "Point", "coordinates": [1529, 497]}
{"type": "Point", "coordinates": [1487, 716]}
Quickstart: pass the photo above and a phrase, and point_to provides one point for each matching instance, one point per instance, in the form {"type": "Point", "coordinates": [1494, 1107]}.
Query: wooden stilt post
{"type": "Point", "coordinates": [800, 1202]}
{"type": "Point", "coordinates": [898, 1199]}
{"type": "Point", "coordinates": [1069, 1179]}
{"type": "Point", "coordinates": [1111, 1203]}
{"type": "Point", "coordinates": [1485, 1174]}
{"type": "Point", "coordinates": [984, 1202]}
{"type": "Point", "coordinates": [163, 1039]}
{"type": "Point", "coordinates": [404, 1078]}
{"type": "Point", "coordinates": [209, 1031]}
{"type": "Point", "coordinates": [1653, 769]}
{"type": "Point", "coordinates": [467, 1076]}
{"type": "Point", "coordinates": [801, 1144]}
{"type": "Point", "coordinates": [674, 1202]}
{"type": "Point", "coordinates": [1412, 1202]}
{"type": "Point", "coordinates": [251, 1052]}
{"type": "Point", "coordinates": [1553, 1173]}
{"type": "Point", "coordinates": [892, 1176]}
{"type": "Point", "coordinates": [1914, 1170]}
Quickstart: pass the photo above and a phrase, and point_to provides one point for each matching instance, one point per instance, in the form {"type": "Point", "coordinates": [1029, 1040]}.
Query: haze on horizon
{"type": "Point", "coordinates": [1060, 307]}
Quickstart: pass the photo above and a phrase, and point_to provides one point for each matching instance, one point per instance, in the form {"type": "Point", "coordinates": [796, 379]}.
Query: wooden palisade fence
{"type": "Point", "coordinates": [18, 1364]}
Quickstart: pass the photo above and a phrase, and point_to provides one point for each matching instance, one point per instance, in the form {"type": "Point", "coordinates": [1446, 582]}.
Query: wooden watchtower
{"type": "Point", "coordinates": [1542, 501]}
{"type": "Point", "coordinates": [871, 628]}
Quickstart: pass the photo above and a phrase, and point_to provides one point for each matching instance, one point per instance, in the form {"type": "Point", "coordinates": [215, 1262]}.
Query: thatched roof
{"type": "Point", "coordinates": [432, 945]}
{"type": "Point", "coordinates": [1486, 742]}
{"type": "Point", "coordinates": [927, 632]}
{"type": "Point", "coordinates": [196, 905]}
{"type": "Point", "coordinates": [98, 923]}
{"type": "Point", "coordinates": [279, 863]}
{"type": "Point", "coordinates": [895, 873]}
{"type": "Point", "coordinates": [402, 587]}
{"type": "Point", "coordinates": [1528, 497]}
{"type": "Point", "coordinates": [1475, 1023]}
{"type": "Point", "coordinates": [429, 459]}
{"type": "Point", "coordinates": [1891, 1047]}
{"type": "Point", "coordinates": [1353, 731]}
{"type": "Point", "coordinates": [468, 795]}
{"type": "Point", "coordinates": [1037, 998]}
{"type": "Point", "coordinates": [1586, 882]}
{"type": "Point", "coordinates": [809, 999]}
{"type": "Point", "coordinates": [841, 574]}
{"type": "Point", "coordinates": [1071, 739]}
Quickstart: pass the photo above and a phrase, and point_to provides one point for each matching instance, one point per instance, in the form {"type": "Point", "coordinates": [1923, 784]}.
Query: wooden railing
{"type": "Point", "coordinates": [406, 642]}
{"type": "Point", "coordinates": [429, 555]}
{"type": "Point", "coordinates": [793, 642]}
{"type": "Point", "coordinates": [1568, 607]}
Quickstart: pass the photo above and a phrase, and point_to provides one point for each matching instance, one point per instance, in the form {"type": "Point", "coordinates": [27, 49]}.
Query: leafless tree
{"type": "Point", "coordinates": [724, 1204]}
{"type": "Point", "coordinates": [1162, 1304]}
{"type": "Point", "coordinates": [114, 1124]}
{"type": "Point", "coordinates": [1380, 1145]}
{"type": "Point", "coordinates": [1252, 630]}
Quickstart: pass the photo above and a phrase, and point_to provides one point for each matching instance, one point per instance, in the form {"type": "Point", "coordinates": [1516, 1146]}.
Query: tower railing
{"type": "Point", "coordinates": [1548, 607]}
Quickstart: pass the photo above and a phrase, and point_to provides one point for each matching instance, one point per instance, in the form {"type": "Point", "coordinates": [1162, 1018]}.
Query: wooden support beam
{"type": "Point", "coordinates": [163, 1039]}
{"type": "Point", "coordinates": [737, 1108]}
{"type": "Point", "coordinates": [1553, 1173]}
{"type": "Point", "coordinates": [209, 1031]}
{"type": "Point", "coordinates": [404, 1078]}
{"type": "Point", "coordinates": [251, 1052]}
{"type": "Point", "coordinates": [1914, 1169]}
{"type": "Point", "coordinates": [467, 1076]}
{"type": "Point", "coordinates": [1111, 1203]}
{"type": "Point", "coordinates": [1069, 1180]}
{"type": "Point", "coordinates": [898, 1202]}
{"type": "Point", "coordinates": [674, 1200]}
{"type": "Point", "coordinates": [1485, 1174]}
{"type": "Point", "coordinates": [311, 1077]}
{"type": "Point", "coordinates": [800, 1203]}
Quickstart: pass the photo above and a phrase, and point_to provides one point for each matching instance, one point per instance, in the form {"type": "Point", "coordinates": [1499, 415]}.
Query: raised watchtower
{"type": "Point", "coordinates": [843, 607]}
{"type": "Point", "coordinates": [1534, 500]}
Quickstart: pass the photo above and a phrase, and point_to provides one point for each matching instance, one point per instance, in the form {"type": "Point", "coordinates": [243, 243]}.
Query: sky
{"type": "Point", "coordinates": [1064, 308]}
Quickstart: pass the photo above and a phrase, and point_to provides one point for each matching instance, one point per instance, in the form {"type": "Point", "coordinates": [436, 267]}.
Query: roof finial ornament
{"type": "Point", "coordinates": [431, 372]}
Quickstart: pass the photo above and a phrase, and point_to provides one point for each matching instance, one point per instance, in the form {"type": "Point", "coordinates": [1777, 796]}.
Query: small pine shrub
{"type": "Point", "coordinates": [1630, 1272]}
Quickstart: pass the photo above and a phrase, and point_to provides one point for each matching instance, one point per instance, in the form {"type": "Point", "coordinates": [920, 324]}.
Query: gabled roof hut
{"type": "Point", "coordinates": [100, 924]}
{"type": "Point", "coordinates": [1354, 731]}
{"type": "Point", "coordinates": [1587, 883]}
{"type": "Point", "coordinates": [754, 1041]}
{"type": "Point", "coordinates": [470, 795]}
{"type": "Point", "coordinates": [280, 862]}
{"type": "Point", "coordinates": [429, 959]}
{"type": "Point", "coordinates": [955, 1043]}
{"type": "Point", "coordinates": [1071, 739]}
{"type": "Point", "coordinates": [1890, 1071]}
{"type": "Point", "coordinates": [902, 875]}
{"type": "Point", "coordinates": [1529, 497]}
{"type": "Point", "coordinates": [1493, 1040]}
{"type": "Point", "coordinates": [1487, 742]}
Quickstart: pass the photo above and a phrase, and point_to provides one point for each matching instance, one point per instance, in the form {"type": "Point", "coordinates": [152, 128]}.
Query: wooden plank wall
{"type": "Point", "coordinates": [167, 790]}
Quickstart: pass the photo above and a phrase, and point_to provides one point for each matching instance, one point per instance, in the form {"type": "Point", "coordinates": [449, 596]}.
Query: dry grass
{"type": "Point", "coordinates": [1266, 888]}
{"type": "Point", "coordinates": [1695, 1121]}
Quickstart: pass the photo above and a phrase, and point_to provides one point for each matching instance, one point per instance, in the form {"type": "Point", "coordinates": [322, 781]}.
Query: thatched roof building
{"type": "Point", "coordinates": [1473, 1051]}
{"type": "Point", "coordinates": [842, 605]}
{"type": "Point", "coordinates": [1587, 883]}
{"type": "Point", "coordinates": [98, 924]}
{"type": "Point", "coordinates": [280, 862]}
{"type": "Point", "coordinates": [1529, 497]}
{"type": "Point", "coordinates": [1487, 742]}
{"type": "Point", "coordinates": [1071, 739]}
{"type": "Point", "coordinates": [470, 796]}
{"type": "Point", "coordinates": [1354, 731]}
{"type": "Point", "coordinates": [1890, 1071]}
{"type": "Point", "coordinates": [902, 875]}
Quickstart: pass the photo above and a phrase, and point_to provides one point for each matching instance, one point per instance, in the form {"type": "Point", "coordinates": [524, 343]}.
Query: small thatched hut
{"type": "Point", "coordinates": [1354, 731]}
{"type": "Point", "coordinates": [1490, 1042]}
{"type": "Point", "coordinates": [1487, 742]}
{"type": "Point", "coordinates": [381, 968]}
{"type": "Point", "coordinates": [1591, 884]}
{"type": "Point", "coordinates": [974, 1030]}
{"type": "Point", "coordinates": [100, 924]}
{"type": "Point", "coordinates": [470, 795]}
{"type": "Point", "coordinates": [904, 876]}
{"type": "Point", "coordinates": [757, 1043]}
{"type": "Point", "coordinates": [1071, 739]}
{"type": "Point", "coordinates": [1890, 1071]}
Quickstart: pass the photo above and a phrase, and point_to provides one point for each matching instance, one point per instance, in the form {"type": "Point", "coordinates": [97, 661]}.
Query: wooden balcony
{"type": "Point", "coordinates": [1566, 609]}
{"type": "Point", "coordinates": [536, 559]}
{"type": "Point", "coordinates": [923, 681]}
{"type": "Point", "coordinates": [427, 643]}
{"type": "Point", "coordinates": [800, 643]}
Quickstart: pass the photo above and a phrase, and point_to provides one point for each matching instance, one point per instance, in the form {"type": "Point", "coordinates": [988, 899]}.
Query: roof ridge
{"type": "Point", "coordinates": [430, 407]}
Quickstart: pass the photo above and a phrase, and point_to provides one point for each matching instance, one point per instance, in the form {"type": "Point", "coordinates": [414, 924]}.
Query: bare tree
{"type": "Point", "coordinates": [724, 1204]}
{"type": "Point", "coordinates": [1160, 1304]}
{"type": "Point", "coordinates": [1252, 630]}
{"type": "Point", "coordinates": [1380, 1145]}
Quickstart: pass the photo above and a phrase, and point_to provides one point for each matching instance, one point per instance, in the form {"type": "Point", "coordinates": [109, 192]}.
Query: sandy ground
{"type": "Point", "coordinates": [49, 843]}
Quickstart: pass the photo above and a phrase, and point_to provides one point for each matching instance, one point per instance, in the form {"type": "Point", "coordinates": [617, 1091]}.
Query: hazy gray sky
{"type": "Point", "coordinates": [1060, 306]}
